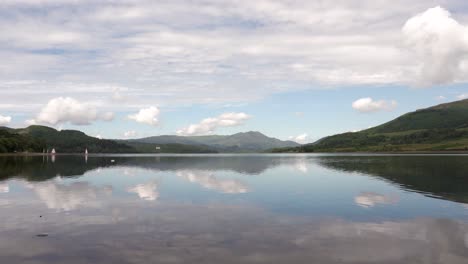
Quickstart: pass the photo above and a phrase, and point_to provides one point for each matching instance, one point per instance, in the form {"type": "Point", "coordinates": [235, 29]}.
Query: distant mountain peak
{"type": "Point", "coordinates": [250, 141]}
{"type": "Point", "coordinates": [250, 133]}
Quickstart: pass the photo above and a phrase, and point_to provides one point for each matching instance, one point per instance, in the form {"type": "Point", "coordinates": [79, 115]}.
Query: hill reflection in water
{"type": "Point", "coordinates": [234, 209]}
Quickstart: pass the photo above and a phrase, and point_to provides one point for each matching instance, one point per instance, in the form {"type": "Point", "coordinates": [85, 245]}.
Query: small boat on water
{"type": "Point", "coordinates": [86, 152]}
{"type": "Point", "coordinates": [53, 151]}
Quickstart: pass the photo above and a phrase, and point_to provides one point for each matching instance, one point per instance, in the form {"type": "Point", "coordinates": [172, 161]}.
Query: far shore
{"type": "Point", "coordinates": [461, 152]}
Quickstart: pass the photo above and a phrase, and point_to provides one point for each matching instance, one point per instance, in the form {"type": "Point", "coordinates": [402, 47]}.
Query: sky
{"type": "Point", "coordinates": [298, 70]}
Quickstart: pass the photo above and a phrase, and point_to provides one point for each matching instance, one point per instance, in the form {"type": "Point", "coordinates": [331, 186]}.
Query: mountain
{"type": "Point", "coordinates": [169, 148]}
{"type": "Point", "coordinates": [439, 128]}
{"type": "Point", "coordinates": [444, 116]}
{"type": "Point", "coordinates": [251, 141]}
{"type": "Point", "coordinates": [37, 138]}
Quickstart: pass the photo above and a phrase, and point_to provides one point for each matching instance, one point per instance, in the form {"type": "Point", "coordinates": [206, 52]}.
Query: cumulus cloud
{"type": "Point", "coordinates": [5, 120]}
{"type": "Point", "coordinates": [209, 181]}
{"type": "Point", "coordinates": [182, 61]}
{"type": "Point", "coordinates": [209, 125]}
{"type": "Point", "coordinates": [146, 191]}
{"type": "Point", "coordinates": [301, 139]}
{"type": "Point", "coordinates": [147, 116]}
{"type": "Point", "coordinates": [130, 134]}
{"type": "Point", "coordinates": [368, 105]}
{"type": "Point", "coordinates": [66, 109]}
{"type": "Point", "coordinates": [441, 45]}
{"type": "Point", "coordinates": [371, 199]}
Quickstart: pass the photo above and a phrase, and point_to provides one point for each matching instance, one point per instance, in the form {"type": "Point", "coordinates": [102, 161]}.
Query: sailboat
{"type": "Point", "coordinates": [86, 152]}
{"type": "Point", "coordinates": [53, 151]}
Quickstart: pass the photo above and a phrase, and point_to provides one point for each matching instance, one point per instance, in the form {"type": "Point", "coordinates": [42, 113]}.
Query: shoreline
{"type": "Point", "coordinates": [26, 154]}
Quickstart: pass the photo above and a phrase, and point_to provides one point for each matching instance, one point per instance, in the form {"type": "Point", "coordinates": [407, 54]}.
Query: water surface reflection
{"type": "Point", "coordinates": [234, 209]}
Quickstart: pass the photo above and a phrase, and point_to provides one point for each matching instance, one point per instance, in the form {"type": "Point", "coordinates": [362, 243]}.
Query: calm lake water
{"type": "Point", "coordinates": [234, 209]}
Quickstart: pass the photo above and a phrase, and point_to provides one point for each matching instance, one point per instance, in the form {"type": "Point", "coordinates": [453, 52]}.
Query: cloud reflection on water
{"type": "Point", "coordinates": [209, 181]}
{"type": "Point", "coordinates": [183, 233]}
{"type": "Point", "coordinates": [190, 229]}
{"type": "Point", "coordinates": [63, 197]}
{"type": "Point", "coordinates": [371, 199]}
{"type": "Point", "coordinates": [146, 191]}
{"type": "Point", "coordinates": [301, 165]}
{"type": "Point", "coordinates": [4, 188]}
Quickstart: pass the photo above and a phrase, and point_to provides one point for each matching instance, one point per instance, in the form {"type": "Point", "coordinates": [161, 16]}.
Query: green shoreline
{"type": "Point", "coordinates": [24, 154]}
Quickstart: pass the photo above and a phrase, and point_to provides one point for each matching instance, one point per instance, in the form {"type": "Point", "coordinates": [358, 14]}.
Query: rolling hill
{"type": "Point", "coordinates": [37, 138]}
{"type": "Point", "coordinates": [251, 141]}
{"type": "Point", "coordinates": [13, 142]}
{"type": "Point", "coordinates": [439, 128]}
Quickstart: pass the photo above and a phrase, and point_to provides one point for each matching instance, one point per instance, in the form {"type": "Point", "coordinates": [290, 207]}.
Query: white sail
{"type": "Point", "coordinates": [86, 152]}
{"type": "Point", "coordinates": [53, 151]}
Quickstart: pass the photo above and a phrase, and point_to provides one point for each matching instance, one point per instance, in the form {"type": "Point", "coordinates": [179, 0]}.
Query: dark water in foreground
{"type": "Point", "coordinates": [234, 209]}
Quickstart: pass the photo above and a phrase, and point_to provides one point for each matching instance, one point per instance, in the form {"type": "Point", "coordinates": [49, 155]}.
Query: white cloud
{"type": "Point", "coordinates": [147, 116]}
{"type": "Point", "coordinates": [368, 105]}
{"type": "Point", "coordinates": [209, 181]}
{"type": "Point", "coordinates": [173, 57]}
{"type": "Point", "coordinates": [462, 96]}
{"type": "Point", "coordinates": [5, 120]}
{"type": "Point", "coordinates": [179, 53]}
{"type": "Point", "coordinates": [130, 134]}
{"type": "Point", "coordinates": [117, 95]}
{"type": "Point", "coordinates": [147, 191]}
{"type": "Point", "coordinates": [441, 98]}
{"type": "Point", "coordinates": [66, 109]}
{"type": "Point", "coordinates": [441, 45]}
{"type": "Point", "coordinates": [301, 139]}
{"type": "Point", "coordinates": [30, 122]}
{"type": "Point", "coordinates": [209, 125]}
{"type": "Point", "coordinates": [98, 136]}
{"type": "Point", "coordinates": [107, 116]}
{"type": "Point", "coordinates": [370, 199]}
